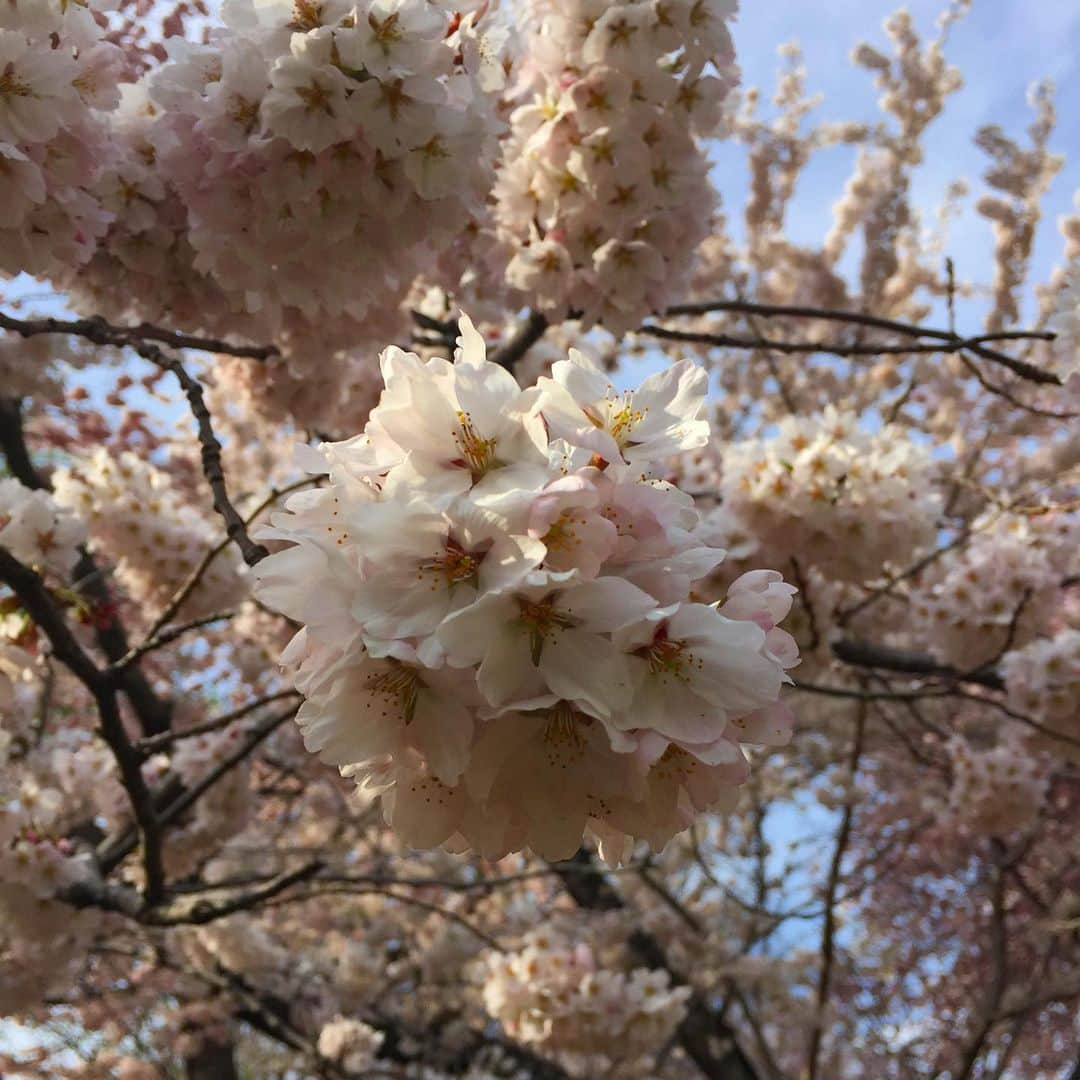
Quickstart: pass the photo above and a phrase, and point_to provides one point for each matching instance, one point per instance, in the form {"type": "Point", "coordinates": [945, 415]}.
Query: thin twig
{"type": "Point", "coordinates": [38, 603]}
{"type": "Point", "coordinates": [101, 332]}
{"type": "Point", "coordinates": [527, 335]}
{"type": "Point", "coordinates": [948, 344]}
{"type": "Point", "coordinates": [153, 743]}
{"type": "Point", "coordinates": [828, 932]}
{"type": "Point", "coordinates": [188, 586]}
{"type": "Point", "coordinates": [995, 988]}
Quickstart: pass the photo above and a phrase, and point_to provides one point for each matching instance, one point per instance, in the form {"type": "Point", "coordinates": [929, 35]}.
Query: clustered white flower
{"type": "Point", "coordinates": [139, 522]}
{"type": "Point", "coordinates": [319, 152]}
{"type": "Point", "coordinates": [1066, 322]}
{"type": "Point", "coordinates": [603, 193]}
{"type": "Point", "coordinates": [997, 789]}
{"type": "Point", "coordinates": [553, 994]}
{"type": "Point", "coordinates": [333, 396]}
{"type": "Point", "coordinates": [223, 809]}
{"type": "Point", "coordinates": [143, 268]}
{"type": "Point", "coordinates": [34, 854]}
{"type": "Point", "coordinates": [38, 531]}
{"type": "Point", "coordinates": [834, 495]}
{"type": "Point", "coordinates": [997, 591]}
{"type": "Point", "coordinates": [1043, 682]}
{"type": "Point", "coordinates": [349, 1042]}
{"type": "Point", "coordinates": [58, 77]}
{"type": "Point", "coordinates": [498, 628]}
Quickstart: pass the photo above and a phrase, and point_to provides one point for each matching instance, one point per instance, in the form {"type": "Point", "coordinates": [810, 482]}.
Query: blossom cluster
{"type": "Point", "coordinates": [39, 530]}
{"type": "Point", "coordinates": [334, 396]}
{"type": "Point", "coordinates": [553, 994]}
{"type": "Point", "coordinates": [33, 854]}
{"type": "Point", "coordinates": [997, 591]}
{"type": "Point", "coordinates": [137, 518]}
{"type": "Point", "coordinates": [994, 790]}
{"type": "Point", "coordinates": [58, 77]}
{"type": "Point", "coordinates": [350, 1043]}
{"type": "Point", "coordinates": [833, 494]}
{"type": "Point", "coordinates": [222, 811]}
{"type": "Point", "coordinates": [317, 153]}
{"type": "Point", "coordinates": [1043, 682]}
{"type": "Point", "coordinates": [498, 628]}
{"type": "Point", "coordinates": [603, 193]}
{"type": "Point", "coordinates": [1066, 322]}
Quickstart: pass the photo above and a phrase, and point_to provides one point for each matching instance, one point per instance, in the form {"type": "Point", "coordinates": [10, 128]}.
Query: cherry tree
{"type": "Point", "coordinates": [472, 606]}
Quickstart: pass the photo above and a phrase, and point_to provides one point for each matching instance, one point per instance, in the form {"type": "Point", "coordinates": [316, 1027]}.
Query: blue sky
{"type": "Point", "coordinates": [1002, 47]}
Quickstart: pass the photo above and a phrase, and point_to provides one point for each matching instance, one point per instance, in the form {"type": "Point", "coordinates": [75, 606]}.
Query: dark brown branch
{"type": "Point", "coordinates": [703, 1034]}
{"type": "Point", "coordinates": [14, 445]}
{"type": "Point", "coordinates": [101, 332]}
{"type": "Point", "coordinates": [881, 657]}
{"type": "Point", "coordinates": [828, 930]}
{"type": "Point", "coordinates": [235, 526]}
{"type": "Point", "coordinates": [169, 635]}
{"type": "Point", "coordinates": [153, 711]}
{"type": "Point", "coordinates": [916, 567]}
{"type": "Point", "coordinates": [115, 850]}
{"type": "Point", "coordinates": [946, 344]}
{"type": "Point", "coordinates": [527, 335]}
{"type": "Point", "coordinates": [153, 743]}
{"type": "Point", "coordinates": [217, 903]}
{"type": "Point", "coordinates": [1007, 395]}
{"type": "Point", "coordinates": [35, 598]}
{"type": "Point", "coordinates": [188, 586]}
{"type": "Point", "coordinates": [995, 988]}
{"type": "Point", "coordinates": [856, 318]}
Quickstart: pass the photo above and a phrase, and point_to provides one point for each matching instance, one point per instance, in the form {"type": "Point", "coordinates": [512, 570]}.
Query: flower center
{"type": "Point", "coordinates": [621, 420]}
{"type": "Point", "coordinates": [307, 15]}
{"type": "Point", "coordinates": [668, 659]}
{"type": "Point", "coordinates": [564, 736]}
{"type": "Point", "coordinates": [561, 536]}
{"type": "Point", "coordinates": [453, 564]}
{"type": "Point", "coordinates": [11, 85]}
{"type": "Point", "coordinates": [542, 620]}
{"type": "Point", "coordinates": [400, 684]}
{"type": "Point", "coordinates": [316, 97]}
{"type": "Point", "coordinates": [386, 32]}
{"type": "Point", "coordinates": [477, 454]}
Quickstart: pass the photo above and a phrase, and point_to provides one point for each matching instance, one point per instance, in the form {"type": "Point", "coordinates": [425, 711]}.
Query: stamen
{"type": "Point", "coordinates": [400, 684]}
{"type": "Point", "coordinates": [477, 454]}
{"type": "Point", "coordinates": [541, 620]}
{"type": "Point", "coordinates": [454, 564]}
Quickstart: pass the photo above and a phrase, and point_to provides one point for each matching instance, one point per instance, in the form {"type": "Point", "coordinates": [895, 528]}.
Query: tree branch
{"type": "Point", "coordinates": [707, 1040]}
{"type": "Point", "coordinates": [865, 655]}
{"type": "Point", "coordinates": [38, 603]}
{"type": "Point", "coordinates": [153, 711]}
{"type": "Point", "coordinates": [947, 344]}
{"type": "Point", "coordinates": [828, 931]}
{"type": "Point", "coordinates": [100, 332]}
{"type": "Point", "coordinates": [527, 335]}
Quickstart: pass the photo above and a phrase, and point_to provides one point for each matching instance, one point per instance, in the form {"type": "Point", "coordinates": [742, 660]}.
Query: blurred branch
{"type": "Point", "coordinates": [100, 332]}
{"type": "Point", "coordinates": [828, 932]}
{"type": "Point", "coordinates": [38, 603]}
{"type": "Point", "coordinates": [153, 711]}
{"type": "Point", "coordinates": [995, 988]}
{"type": "Point", "coordinates": [703, 1034]}
{"type": "Point", "coordinates": [883, 657]}
{"type": "Point", "coordinates": [944, 342]}
{"type": "Point", "coordinates": [154, 743]}
{"type": "Point", "coordinates": [188, 586]}
{"type": "Point", "coordinates": [526, 336]}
